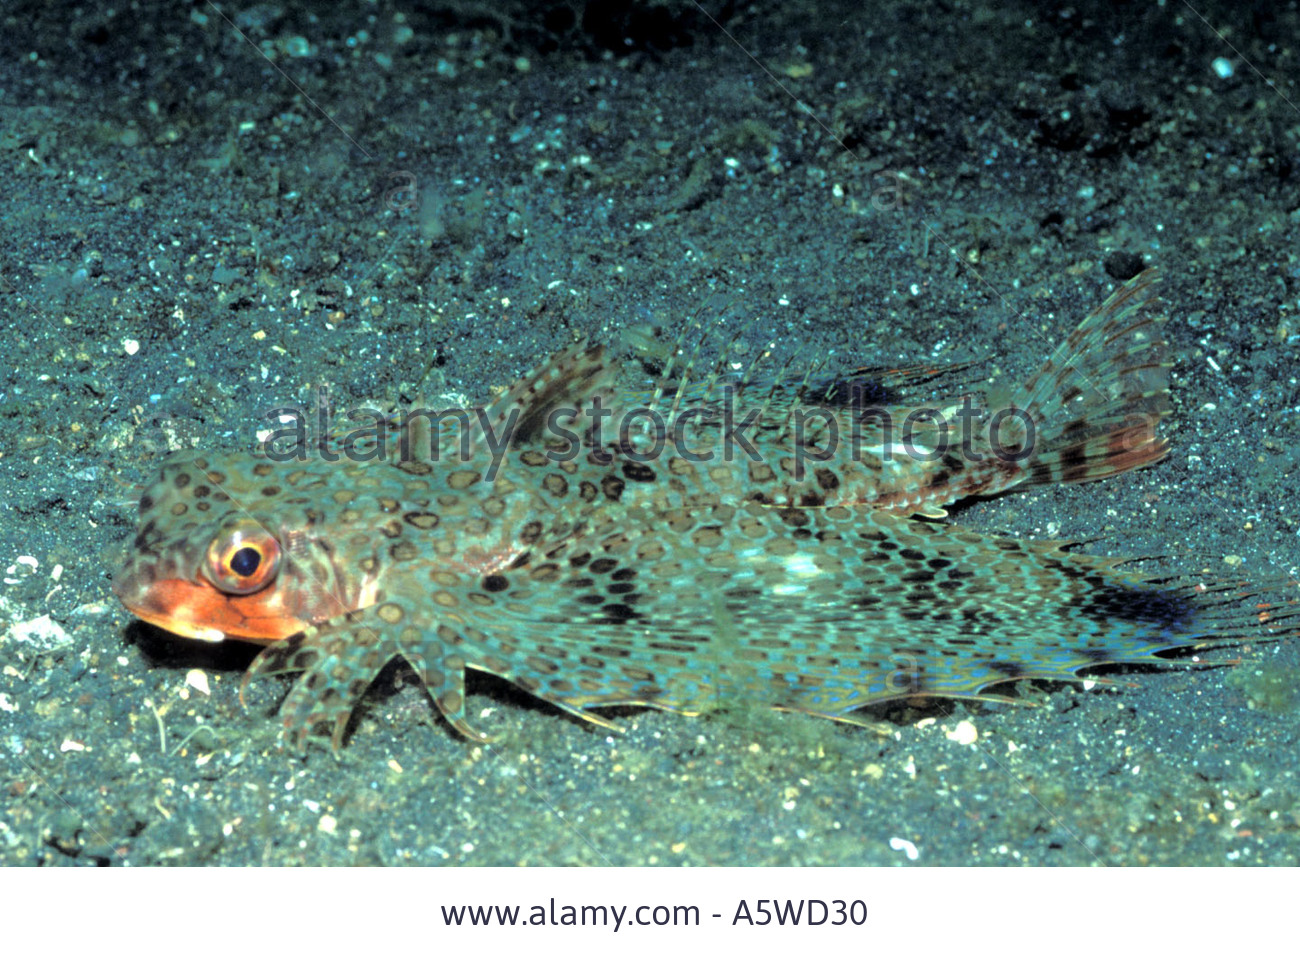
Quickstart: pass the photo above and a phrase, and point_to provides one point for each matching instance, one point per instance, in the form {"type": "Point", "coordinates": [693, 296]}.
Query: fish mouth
{"type": "Point", "coordinates": [143, 601]}
{"type": "Point", "coordinates": [209, 635]}
{"type": "Point", "coordinates": [202, 613]}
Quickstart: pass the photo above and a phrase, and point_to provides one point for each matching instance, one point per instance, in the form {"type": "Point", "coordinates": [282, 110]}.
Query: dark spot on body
{"type": "Point", "coordinates": [794, 517]}
{"type": "Point", "coordinates": [545, 572]}
{"type": "Point", "coordinates": [403, 551]}
{"type": "Point", "coordinates": [638, 471]}
{"type": "Point", "coordinates": [619, 613]}
{"type": "Point", "coordinates": [613, 487]}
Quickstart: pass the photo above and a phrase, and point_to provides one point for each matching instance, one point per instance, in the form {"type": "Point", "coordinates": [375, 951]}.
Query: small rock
{"type": "Point", "coordinates": [43, 632]}
{"type": "Point", "coordinates": [1123, 266]}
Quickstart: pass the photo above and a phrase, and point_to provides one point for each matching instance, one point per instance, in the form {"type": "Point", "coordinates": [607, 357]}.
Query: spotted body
{"type": "Point", "coordinates": [597, 567]}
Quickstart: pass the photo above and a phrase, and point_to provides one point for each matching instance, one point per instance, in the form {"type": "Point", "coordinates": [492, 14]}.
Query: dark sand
{"type": "Point", "coordinates": [193, 234]}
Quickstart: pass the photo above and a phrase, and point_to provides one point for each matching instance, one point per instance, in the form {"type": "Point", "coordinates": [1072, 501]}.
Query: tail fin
{"type": "Point", "coordinates": [1097, 401]}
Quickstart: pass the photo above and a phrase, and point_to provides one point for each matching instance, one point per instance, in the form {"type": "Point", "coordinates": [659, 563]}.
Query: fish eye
{"type": "Point", "coordinates": [243, 558]}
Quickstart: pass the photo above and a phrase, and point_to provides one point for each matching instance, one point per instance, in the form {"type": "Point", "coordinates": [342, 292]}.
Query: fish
{"type": "Point", "coordinates": [697, 540]}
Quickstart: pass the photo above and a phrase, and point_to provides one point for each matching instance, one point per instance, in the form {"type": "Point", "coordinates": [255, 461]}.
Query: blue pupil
{"type": "Point", "coordinates": [245, 561]}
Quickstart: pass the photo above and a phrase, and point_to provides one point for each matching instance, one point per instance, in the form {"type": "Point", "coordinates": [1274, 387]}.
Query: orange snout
{"type": "Point", "coordinates": [201, 612]}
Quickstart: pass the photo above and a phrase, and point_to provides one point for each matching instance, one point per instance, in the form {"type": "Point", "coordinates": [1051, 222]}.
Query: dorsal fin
{"type": "Point", "coordinates": [572, 378]}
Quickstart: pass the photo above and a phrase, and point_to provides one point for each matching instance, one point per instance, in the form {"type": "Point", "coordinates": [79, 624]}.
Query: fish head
{"type": "Point", "coordinates": [224, 549]}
